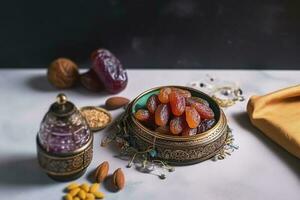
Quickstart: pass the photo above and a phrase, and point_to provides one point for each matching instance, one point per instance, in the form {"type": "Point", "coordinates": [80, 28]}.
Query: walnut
{"type": "Point", "coordinates": [63, 73]}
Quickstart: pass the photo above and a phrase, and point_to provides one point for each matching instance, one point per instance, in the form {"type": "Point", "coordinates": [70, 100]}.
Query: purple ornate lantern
{"type": "Point", "coordinates": [64, 141]}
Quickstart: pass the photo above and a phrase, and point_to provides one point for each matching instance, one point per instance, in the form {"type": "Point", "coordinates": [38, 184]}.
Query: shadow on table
{"type": "Point", "coordinates": [22, 172]}
{"type": "Point", "coordinates": [291, 161]}
{"type": "Point", "coordinates": [40, 83]}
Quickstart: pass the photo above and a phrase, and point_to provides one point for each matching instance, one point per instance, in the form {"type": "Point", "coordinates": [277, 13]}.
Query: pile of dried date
{"type": "Point", "coordinates": [174, 111]}
{"type": "Point", "coordinates": [106, 73]}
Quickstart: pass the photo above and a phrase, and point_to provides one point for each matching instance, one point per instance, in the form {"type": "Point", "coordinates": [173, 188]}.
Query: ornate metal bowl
{"type": "Point", "coordinates": [177, 150]}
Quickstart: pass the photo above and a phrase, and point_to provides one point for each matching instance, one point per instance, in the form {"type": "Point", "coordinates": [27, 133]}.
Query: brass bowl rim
{"type": "Point", "coordinates": [99, 109]}
{"type": "Point", "coordinates": [177, 138]}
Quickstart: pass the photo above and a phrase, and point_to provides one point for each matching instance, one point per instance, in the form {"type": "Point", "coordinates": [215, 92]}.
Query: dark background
{"type": "Point", "coordinates": [153, 33]}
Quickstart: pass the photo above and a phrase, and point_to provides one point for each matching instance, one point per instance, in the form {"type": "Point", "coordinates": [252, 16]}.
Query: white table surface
{"type": "Point", "coordinates": [260, 169]}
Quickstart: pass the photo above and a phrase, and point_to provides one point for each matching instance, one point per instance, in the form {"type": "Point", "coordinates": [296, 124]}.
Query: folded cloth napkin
{"type": "Point", "coordinates": [277, 115]}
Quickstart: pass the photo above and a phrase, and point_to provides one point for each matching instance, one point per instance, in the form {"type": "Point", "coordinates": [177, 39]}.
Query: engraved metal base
{"type": "Point", "coordinates": [66, 178]}
{"type": "Point", "coordinates": [195, 161]}
{"type": "Point", "coordinates": [186, 154]}
{"type": "Point", "coordinates": [65, 166]}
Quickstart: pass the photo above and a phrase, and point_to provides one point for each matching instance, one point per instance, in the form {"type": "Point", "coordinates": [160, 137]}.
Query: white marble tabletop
{"type": "Point", "coordinates": [260, 169]}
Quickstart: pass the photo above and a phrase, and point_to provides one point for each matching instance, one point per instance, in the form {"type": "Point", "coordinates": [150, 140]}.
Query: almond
{"type": "Point", "coordinates": [101, 172]}
{"type": "Point", "coordinates": [116, 102]}
{"type": "Point", "coordinates": [118, 179]}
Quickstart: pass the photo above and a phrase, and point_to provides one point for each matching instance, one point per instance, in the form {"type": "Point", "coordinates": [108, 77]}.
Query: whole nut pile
{"type": "Point", "coordinates": [97, 118]}
{"type": "Point", "coordinates": [83, 191]}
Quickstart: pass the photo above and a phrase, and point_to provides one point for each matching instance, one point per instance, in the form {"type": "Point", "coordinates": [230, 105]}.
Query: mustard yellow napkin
{"type": "Point", "coordinates": [277, 115]}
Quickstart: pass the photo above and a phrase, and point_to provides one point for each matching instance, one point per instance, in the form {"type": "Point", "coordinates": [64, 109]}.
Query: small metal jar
{"type": "Point", "coordinates": [64, 141]}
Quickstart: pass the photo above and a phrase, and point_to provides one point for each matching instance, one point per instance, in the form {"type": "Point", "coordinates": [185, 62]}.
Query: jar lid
{"type": "Point", "coordinates": [62, 107]}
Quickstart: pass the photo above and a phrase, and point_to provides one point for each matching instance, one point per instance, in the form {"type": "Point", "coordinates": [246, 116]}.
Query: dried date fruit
{"type": "Point", "coordinates": [162, 115]}
{"type": "Point", "coordinates": [184, 93]}
{"type": "Point", "coordinates": [177, 125]}
{"type": "Point", "coordinates": [90, 81]}
{"type": "Point", "coordinates": [109, 70]}
{"type": "Point", "coordinates": [187, 131]}
{"type": "Point", "coordinates": [142, 115]}
{"type": "Point", "coordinates": [177, 103]}
{"type": "Point", "coordinates": [192, 117]}
{"type": "Point", "coordinates": [180, 115]}
{"type": "Point", "coordinates": [204, 111]}
{"type": "Point", "coordinates": [150, 123]}
{"type": "Point", "coordinates": [205, 125]}
{"type": "Point", "coordinates": [163, 95]}
{"type": "Point", "coordinates": [193, 100]}
{"type": "Point", "coordinates": [152, 103]}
